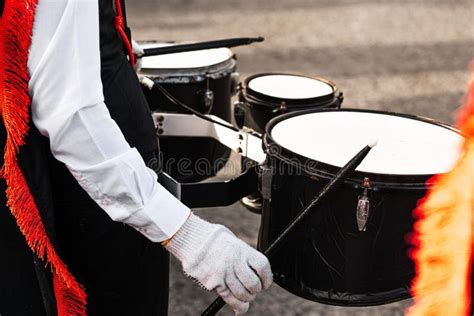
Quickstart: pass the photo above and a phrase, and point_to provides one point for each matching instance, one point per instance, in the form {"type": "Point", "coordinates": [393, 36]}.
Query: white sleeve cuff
{"type": "Point", "coordinates": [161, 218]}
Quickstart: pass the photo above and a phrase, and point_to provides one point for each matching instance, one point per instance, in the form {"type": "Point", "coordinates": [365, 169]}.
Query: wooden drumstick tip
{"type": "Point", "coordinates": [373, 143]}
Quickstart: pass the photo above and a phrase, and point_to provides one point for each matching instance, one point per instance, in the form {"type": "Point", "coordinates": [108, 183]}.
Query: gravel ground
{"type": "Point", "coordinates": [406, 56]}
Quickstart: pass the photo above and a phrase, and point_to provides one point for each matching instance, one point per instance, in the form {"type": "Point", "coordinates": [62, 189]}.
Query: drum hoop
{"type": "Point", "coordinates": [191, 75]}
{"type": "Point", "coordinates": [258, 98]}
{"type": "Point", "coordinates": [346, 299]}
{"type": "Point", "coordinates": [327, 171]}
{"type": "Point", "coordinates": [251, 101]}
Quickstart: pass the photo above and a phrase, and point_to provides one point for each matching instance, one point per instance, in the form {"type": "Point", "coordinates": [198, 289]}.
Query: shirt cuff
{"type": "Point", "coordinates": [161, 218]}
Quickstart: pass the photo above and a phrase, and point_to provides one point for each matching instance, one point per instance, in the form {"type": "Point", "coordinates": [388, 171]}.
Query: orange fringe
{"type": "Point", "coordinates": [17, 24]}
{"type": "Point", "coordinates": [443, 234]}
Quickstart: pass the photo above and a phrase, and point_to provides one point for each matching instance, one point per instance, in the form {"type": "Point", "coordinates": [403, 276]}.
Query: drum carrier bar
{"type": "Point", "coordinates": [245, 142]}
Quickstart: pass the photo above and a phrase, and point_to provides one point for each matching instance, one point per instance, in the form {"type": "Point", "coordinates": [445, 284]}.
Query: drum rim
{"type": "Point", "coordinates": [225, 67]}
{"type": "Point", "coordinates": [198, 73]}
{"type": "Point", "coordinates": [345, 299]}
{"type": "Point", "coordinates": [257, 98]}
{"type": "Point", "coordinates": [326, 171]}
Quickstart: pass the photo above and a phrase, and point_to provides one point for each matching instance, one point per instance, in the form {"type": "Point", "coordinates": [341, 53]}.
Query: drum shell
{"type": "Point", "coordinates": [372, 266]}
{"type": "Point", "coordinates": [327, 259]}
{"type": "Point", "coordinates": [257, 116]}
{"type": "Point", "coordinates": [259, 108]}
{"type": "Point", "coordinates": [193, 150]}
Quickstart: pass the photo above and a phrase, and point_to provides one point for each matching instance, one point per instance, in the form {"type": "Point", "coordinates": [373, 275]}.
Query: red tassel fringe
{"type": "Point", "coordinates": [466, 116]}
{"type": "Point", "coordinates": [17, 25]}
{"type": "Point", "coordinates": [120, 26]}
{"type": "Point", "coordinates": [443, 233]}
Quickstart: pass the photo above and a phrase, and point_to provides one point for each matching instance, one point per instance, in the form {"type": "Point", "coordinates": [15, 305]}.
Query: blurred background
{"type": "Point", "coordinates": [409, 56]}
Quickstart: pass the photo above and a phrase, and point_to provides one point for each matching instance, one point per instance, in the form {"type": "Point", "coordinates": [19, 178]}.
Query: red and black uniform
{"type": "Point", "coordinates": [121, 271]}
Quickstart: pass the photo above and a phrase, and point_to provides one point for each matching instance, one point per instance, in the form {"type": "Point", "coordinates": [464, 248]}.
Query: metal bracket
{"type": "Point", "coordinates": [266, 177]}
{"type": "Point", "coordinates": [211, 194]}
{"type": "Point", "coordinates": [246, 142]}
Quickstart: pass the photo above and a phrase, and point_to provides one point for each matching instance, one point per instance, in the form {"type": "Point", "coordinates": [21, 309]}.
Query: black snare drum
{"type": "Point", "coordinates": [268, 95]}
{"type": "Point", "coordinates": [265, 96]}
{"type": "Point", "coordinates": [205, 81]}
{"type": "Point", "coordinates": [351, 250]}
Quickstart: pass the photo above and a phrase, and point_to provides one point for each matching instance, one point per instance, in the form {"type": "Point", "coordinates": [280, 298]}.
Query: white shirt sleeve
{"type": "Point", "coordinates": [68, 108]}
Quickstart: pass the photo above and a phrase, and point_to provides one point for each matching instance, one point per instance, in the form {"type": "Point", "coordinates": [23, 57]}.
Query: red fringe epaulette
{"type": "Point", "coordinates": [16, 32]}
{"type": "Point", "coordinates": [443, 233]}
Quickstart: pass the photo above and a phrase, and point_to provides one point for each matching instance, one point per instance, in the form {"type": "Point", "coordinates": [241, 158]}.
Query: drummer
{"type": "Point", "coordinates": [110, 214]}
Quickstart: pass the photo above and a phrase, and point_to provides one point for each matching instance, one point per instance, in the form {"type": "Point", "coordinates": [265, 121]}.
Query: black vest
{"type": "Point", "coordinates": [123, 272]}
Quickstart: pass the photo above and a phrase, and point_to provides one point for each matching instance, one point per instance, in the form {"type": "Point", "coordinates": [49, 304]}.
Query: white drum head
{"type": "Point", "coordinates": [290, 86]}
{"type": "Point", "coordinates": [405, 146]}
{"type": "Point", "coordinates": [186, 60]}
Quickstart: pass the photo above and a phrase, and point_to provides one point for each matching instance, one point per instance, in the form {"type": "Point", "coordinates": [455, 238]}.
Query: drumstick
{"type": "Point", "coordinates": [281, 238]}
{"type": "Point", "coordinates": [172, 49]}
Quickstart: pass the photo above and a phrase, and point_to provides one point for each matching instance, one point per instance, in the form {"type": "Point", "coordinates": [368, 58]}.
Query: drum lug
{"type": "Point", "coordinates": [207, 96]}
{"type": "Point", "coordinates": [239, 113]}
{"type": "Point", "coordinates": [340, 98]}
{"type": "Point", "coordinates": [363, 206]}
{"type": "Point", "coordinates": [240, 91]}
{"type": "Point", "coordinates": [208, 100]}
{"type": "Point", "coordinates": [266, 178]}
{"type": "Point", "coordinates": [283, 107]}
{"type": "Point", "coordinates": [234, 83]}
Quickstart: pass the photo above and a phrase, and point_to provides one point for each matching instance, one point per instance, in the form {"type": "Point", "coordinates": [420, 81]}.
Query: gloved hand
{"type": "Point", "coordinates": [214, 257]}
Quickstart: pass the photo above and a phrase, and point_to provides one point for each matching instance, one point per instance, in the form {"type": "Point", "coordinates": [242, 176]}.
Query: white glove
{"type": "Point", "coordinates": [138, 52]}
{"type": "Point", "coordinates": [136, 48]}
{"type": "Point", "coordinates": [213, 256]}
